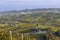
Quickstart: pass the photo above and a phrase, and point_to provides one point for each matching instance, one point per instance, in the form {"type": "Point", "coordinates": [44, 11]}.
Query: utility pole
{"type": "Point", "coordinates": [10, 35]}
{"type": "Point", "coordinates": [22, 36]}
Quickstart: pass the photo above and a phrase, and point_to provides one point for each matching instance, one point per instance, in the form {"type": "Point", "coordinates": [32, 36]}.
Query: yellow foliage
{"type": "Point", "coordinates": [14, 38]}
{"type": "Point", "coordinates": [3, 24]}
{"type": "Point", "coordinates": [26, 25]}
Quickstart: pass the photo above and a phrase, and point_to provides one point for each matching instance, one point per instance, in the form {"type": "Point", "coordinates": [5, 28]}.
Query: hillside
{"type": "Point", "coordinates": [30, 21]}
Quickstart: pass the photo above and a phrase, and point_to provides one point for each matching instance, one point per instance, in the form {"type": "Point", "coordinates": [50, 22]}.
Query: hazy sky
{"type": "Point", "coordinates": [28, 4]}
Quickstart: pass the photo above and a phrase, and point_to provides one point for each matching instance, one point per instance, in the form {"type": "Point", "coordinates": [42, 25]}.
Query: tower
{"type": "Point", "coordinates": [37, 27]}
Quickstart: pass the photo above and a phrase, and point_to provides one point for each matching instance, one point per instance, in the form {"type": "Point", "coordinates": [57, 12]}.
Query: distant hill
{"type": "Point", "coordinates": [30, 11]}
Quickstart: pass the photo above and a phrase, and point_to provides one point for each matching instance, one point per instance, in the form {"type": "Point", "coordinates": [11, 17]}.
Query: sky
{"type": "Point", "coordinates": [6, 5]}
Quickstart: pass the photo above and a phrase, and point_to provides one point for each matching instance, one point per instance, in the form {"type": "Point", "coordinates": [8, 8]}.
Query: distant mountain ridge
{"type": "Point", "coordinates": [38, 9]}
{"type": "Point", "coordinates": [30, 11]}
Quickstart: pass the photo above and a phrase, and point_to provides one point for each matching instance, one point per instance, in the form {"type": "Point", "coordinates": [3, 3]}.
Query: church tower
{"type": "Point", "coordinates": [37, 27]}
